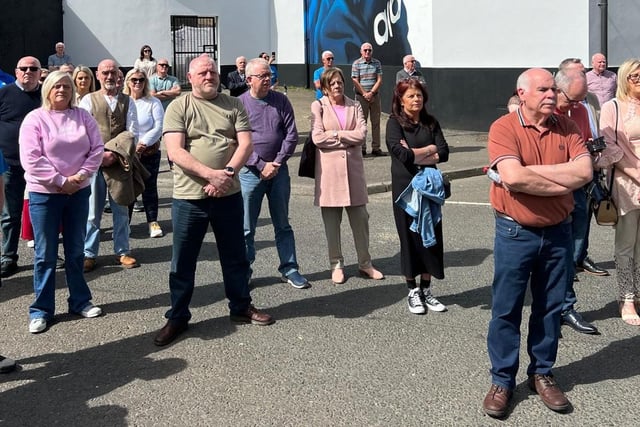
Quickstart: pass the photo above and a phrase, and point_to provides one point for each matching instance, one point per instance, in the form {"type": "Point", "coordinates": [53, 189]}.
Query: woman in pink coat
{"type": "Point", "coordinates": [338, 131]}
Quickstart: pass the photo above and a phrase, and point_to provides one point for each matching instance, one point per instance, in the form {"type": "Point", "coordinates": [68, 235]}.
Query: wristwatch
{"type": "Point", "coordinates": [231, 170]}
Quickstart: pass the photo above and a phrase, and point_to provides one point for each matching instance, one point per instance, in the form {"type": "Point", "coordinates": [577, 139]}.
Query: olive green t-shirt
{"type": "Point", "coordinates": [211, 127]}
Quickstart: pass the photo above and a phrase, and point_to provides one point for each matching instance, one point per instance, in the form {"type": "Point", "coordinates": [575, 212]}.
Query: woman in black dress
{"type": "Point", "coordinates": [415, 141]}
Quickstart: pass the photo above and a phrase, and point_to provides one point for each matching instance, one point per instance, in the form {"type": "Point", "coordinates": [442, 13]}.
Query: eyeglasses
{"type": "Point", "coordinates": [634, 78]}
{"type": "Point", "coordinates": [163, 65]}
{"type": "Point", "coordinates": [367, 50]}
{"type": "Point", "coordinates": [136, 80]}
{"type": "Point", "coordinates": [61, 86]}
{"type": "Point", "coordinates": [265, 76]}
{"type": "Point", "coordinates": [147, 50]}
{"type": "Point", "coordinates": [32, 69]}
{"type": "Point", "coordinates": [571, 101]}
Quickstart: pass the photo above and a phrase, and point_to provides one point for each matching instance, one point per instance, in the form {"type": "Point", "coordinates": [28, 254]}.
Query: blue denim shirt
{"type": "Point", "coordinates": [422, 200]}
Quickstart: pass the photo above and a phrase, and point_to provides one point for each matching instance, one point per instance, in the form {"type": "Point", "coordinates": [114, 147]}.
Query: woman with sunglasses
{"type": "Point", "coordinates": [620, 126]}
{"type": "Point", "coordinates": [146, 62]}
{"type": "Point", "coordinates": [60, 149]}
{"type": "Point", "coordinates": [150, 116]}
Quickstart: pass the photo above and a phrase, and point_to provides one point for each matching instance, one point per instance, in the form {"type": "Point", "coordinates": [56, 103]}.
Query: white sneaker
{"type": "Point", "coordinates": [432, 303]}
{"type": "Point", "coordinates": [155, 230]}
{"type": "Point", "coordinates": [414, 301]}
{"type": "Point", "coordinates": [37, 325]}
{"type": "Point", "coordinates": [91, 311]}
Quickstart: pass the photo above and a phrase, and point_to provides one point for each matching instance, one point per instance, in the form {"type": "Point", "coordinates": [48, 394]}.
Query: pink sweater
{"type": "Point", "coordinates": [57, 144]}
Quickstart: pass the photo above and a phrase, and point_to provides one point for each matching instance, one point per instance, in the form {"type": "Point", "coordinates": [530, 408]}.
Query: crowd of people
{"type": "Point", "coordinates": [71, 148]}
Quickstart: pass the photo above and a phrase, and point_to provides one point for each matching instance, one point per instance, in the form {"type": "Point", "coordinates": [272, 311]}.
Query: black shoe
{"type": "Point", "coordinates": [8, 268]}
{"type": "Point", "coordinates": [364, 152]}
{"type": "Point", "coordinates": [378, 153]}
{"type": "Point", "coordinates": [107, 208]}
{"type": "Point", "coordinates": [6, 365]}
{"type": "Point", "coordinates": [592, 268]}
{"type": "Point", "coordinates": [138, 207]}
{"type": "Point", "coordinates": [573, 319]}
{"type": "Point", "coordinates": [59, 263]}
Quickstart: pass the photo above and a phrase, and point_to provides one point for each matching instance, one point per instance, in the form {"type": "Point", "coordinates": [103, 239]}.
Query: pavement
{"type": "Point", "coordinates": [347, 355]}
{"type": "Point", "coordinates": [468, 153]}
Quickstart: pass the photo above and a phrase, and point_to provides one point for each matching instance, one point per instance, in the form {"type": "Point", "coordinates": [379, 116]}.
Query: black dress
{"type": "Point", "coordinates": [415, 259]}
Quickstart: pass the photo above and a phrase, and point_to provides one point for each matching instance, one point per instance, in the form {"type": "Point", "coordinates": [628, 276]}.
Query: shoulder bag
{"type": "Point", "coordinates": [604, 209]}
{"type": "Point", "coordinates": [307, 167]}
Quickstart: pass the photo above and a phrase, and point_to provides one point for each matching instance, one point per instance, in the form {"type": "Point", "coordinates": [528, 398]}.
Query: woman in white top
{"type": "Point", "coordinates": [150, 116]}
{"type": "Point", "coordinates": [146, 62]}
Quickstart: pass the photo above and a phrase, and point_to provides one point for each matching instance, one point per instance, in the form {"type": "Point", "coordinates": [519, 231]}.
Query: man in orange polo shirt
{"type": "Point", "coordinates": [541, 159]}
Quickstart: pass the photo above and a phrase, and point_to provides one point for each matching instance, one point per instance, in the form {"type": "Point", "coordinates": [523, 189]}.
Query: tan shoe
{"type": "Point", "coordinates": [127, 261]}
{"type": "Point", "coordinates": [337, 276]}
{"type": "Point", "coordinates": [89, 264]}
{"type": "Point", "coordinates": [371, 273]}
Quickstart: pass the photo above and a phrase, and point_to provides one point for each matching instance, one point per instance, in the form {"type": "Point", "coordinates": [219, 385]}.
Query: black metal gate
{"type": "Point", "coordinates": [192, 36]}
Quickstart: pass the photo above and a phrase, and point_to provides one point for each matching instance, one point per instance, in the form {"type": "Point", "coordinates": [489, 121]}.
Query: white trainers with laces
{"type": "Point", "coordinates": [414, 301]}
{"type": "Point", "coordinates": [91, 311]}
{"type": "Point", "coordinates": [155, 230]}
{"type": "Point", "coordinates": [432, 303]}
{"type": "Point", "coordinates": [37, 325]}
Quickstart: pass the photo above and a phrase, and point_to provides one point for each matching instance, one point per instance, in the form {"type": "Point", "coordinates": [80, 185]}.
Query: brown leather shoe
{"type": "Point", "coordinates": [89, 264]}
{"type": "Point", "coordinates": [127, 261]}
{"type": "Point", "coordinates": [496, 402]}
{"type": "Point", "coordinates": [170, 332]}
{"type": "Point", "coordinates": [549, 392]}
{"type": "Point", "coordinates": [252, 315]}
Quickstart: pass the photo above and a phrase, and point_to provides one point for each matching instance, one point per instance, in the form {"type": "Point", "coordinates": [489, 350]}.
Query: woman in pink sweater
{"type": "Point", "coordinates": [60, 148]}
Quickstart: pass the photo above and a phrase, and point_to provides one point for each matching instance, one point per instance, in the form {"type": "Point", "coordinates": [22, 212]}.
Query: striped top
{"type": "Point", "coordinates": [366, 72]}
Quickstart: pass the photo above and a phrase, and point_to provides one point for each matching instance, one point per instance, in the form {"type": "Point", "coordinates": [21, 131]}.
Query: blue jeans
{"type": "Point", "coordinates": [150, 193]}
{"type": "Point", "coordinates": [542, 255]}
{"type": "Point", "coordinates": [47, 212]}
{"type": "Point", "coordinates": [14, 185]}
{"type": "Point", "coordinates": [278, 192]}
{"type": "Point", "coordinates": [191, 219]}
{"type": "Point", "coordinates": [580, 218]}
{"type": "Point", "coordinates": [120, 220]}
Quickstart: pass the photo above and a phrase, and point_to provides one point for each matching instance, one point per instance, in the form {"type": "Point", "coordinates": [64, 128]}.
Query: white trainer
{"type": "Point", "coordinates": [155, 230]}
{"type": "Point", "coordinates": [414, 301]}
{"type": "Point", "coordinates": [91, 311]}
{"type": "Point", "coordinates": [432, 302]}
{"type": "Point", "coordinates": [37, 325]}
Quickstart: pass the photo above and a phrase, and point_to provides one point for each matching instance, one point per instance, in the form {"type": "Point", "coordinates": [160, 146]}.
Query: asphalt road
{"type": "Point", "coordinates": [347, 355]}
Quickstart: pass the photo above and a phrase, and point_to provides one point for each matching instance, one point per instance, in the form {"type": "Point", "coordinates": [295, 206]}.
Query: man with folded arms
{"type": "Point", "coordinates": [208, 137]}
{"type": "Point", "coordinates": [541, 159]}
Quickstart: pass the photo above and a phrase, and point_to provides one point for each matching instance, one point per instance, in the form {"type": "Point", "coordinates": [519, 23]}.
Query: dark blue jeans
{"type": "Point", "coordinates": [543, 257]}
{"type": "Point", "coordinates": [150, 193]}
{"type": "Point", "coordinates": [191, 219]}
{"type": "Point", "coordinates": [580, 218]}
{"type": "Point", "coordinates": [14, 185]}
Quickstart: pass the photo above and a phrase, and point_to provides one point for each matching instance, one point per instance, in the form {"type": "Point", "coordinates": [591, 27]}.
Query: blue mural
{"type": "Point", "coordinates": [341, 26]}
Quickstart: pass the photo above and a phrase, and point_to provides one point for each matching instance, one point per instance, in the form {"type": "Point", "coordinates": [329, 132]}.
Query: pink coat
{"type": "Point", "coordinates": [340, 178]}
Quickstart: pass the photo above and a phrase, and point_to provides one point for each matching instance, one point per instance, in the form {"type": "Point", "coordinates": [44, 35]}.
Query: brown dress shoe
{"type": "Point", "coordinates": [496, 402]}
{"type": "Point", "coordinates": [252, 315]}
{"type": "Point", "coordinates": [170, 332]}
{"type": "Point", "coordinates": [549, 392]}
{"type": "Point", "coordinates": [89, 264]}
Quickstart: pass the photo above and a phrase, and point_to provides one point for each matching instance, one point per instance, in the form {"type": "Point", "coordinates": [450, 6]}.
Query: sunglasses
{"type": "Point", "coordinates": [329, 58]}
{"type": "Point", "coordinates": [163, 65]}
{"type": "Point", "coordinates": [32, 69]}
{"type": "Point", "coordinates": [366, 50]}
{"type": "Point", "coordinates": [136, 80]}
{"type": "Point", "coordinates": [147, 50]}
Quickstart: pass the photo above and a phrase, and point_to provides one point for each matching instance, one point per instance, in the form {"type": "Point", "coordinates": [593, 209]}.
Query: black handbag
{"type": "Point", "coordinates": [307, 167]}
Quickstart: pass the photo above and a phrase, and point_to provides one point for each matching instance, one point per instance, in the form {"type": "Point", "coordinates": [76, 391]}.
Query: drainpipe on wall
{"type": "Point", "coordinates": [604, 42]}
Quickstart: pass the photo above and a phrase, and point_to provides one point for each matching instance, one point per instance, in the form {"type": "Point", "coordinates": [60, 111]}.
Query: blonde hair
{"type": "Point", "coordinates": [145, 90]}
{"type": "Point", "coordinates": [84, 69]}
{"type": "Point", "coordinates": [52, 79]}
{"type": "Point", "coordinates": [627, 67]}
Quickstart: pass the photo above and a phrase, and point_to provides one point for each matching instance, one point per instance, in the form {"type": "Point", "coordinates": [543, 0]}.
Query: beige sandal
{"type": "Point", "coordinates": [629, 318]}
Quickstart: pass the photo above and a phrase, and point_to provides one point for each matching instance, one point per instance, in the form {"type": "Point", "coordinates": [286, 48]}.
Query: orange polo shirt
{"type": "Point", "coordinates": [513, 137]}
